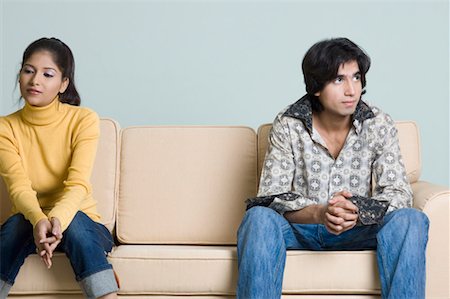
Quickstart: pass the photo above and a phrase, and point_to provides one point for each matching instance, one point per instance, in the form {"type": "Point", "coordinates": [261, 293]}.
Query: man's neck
{"type": "Point", "coordinates": [333, 129]}
{"type": "Point", "coordinates": [331, 123]}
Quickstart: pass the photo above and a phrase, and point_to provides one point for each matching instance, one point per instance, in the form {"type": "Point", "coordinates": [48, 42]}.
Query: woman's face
{"type": "Point", "coordinates": [41, 80]}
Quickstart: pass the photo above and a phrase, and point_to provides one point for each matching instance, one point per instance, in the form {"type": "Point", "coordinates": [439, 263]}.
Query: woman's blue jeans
{"type": "Point", "coordinates": [400, 241]}
{"type": "Point", "coordinates": [85, 243]}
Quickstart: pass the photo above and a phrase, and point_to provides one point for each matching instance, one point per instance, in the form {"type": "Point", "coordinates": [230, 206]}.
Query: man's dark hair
{"type": "Point", "coordinates": [322, 61]}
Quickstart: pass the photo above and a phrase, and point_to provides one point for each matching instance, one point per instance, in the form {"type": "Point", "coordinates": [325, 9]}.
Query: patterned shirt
{"type": "Point", "coordinates": [299, 171]}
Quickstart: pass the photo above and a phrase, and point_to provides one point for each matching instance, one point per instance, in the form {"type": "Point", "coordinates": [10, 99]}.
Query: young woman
{"type": "Point", "coordinates": [47, 151]}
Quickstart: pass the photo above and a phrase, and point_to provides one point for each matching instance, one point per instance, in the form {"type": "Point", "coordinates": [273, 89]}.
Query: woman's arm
{"type": "Point", "coordinates": [77, 184]}
{"type": "Point", "coordinates": [23, 197]}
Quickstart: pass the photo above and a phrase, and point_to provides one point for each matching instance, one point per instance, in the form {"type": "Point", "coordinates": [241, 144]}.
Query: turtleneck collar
{"type": "Point", "coordinates": [41, 116]}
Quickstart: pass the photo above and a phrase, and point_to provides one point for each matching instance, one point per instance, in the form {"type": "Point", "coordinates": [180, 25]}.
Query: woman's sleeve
{"type": "Point", "coordinates": [77, 184]}
{"type": "Point", "coordinates": [23, 197]}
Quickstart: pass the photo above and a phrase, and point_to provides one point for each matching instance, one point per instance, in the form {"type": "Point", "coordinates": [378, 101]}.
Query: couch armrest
{"type": "Point", "coordinates": [434, 201]}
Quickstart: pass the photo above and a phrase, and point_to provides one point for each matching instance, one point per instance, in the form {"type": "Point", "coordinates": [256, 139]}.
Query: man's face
{"type": "Point", "coordinates": [340, 96]}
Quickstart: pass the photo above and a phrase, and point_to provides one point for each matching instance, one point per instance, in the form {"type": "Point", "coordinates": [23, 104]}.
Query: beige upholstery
{"type": "Point", "coordinates": [176, 269]}
{"type": "Point", "coordinates": [105, 175]}
{"type": "Point", "coordinates": [185, 185]}
{"type": "Point", "coordinates": [178, 193]}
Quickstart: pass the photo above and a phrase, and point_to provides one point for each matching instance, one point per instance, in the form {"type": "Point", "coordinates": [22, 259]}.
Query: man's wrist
{"type": "Point", "coordinates": [319, 214]}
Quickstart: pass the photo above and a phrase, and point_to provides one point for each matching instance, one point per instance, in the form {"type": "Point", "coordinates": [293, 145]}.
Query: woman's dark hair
{"type": "Point", "coordinates": [322, 61]}
{"type": "Point", "coordinates": [63, 58]}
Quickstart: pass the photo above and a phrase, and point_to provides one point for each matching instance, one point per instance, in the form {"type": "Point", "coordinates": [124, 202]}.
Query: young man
{"type": "Point", "coordinates": [316, 192]}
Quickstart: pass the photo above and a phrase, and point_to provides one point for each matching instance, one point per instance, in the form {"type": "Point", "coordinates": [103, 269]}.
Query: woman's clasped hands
{"type": "Point", "coordinates": [47, 236]}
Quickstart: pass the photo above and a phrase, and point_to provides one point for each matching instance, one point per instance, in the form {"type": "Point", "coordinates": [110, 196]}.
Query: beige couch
{"type": "Point", "coordinates": [174, 197]}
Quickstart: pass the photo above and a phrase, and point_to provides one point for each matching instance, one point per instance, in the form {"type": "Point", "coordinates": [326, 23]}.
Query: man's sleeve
{"type": "Point", "coordinates": [390, 174]}
{"type": "Point", "coordinates": [275, 188]}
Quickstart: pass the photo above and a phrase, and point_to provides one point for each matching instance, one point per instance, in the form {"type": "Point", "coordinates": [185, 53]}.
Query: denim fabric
{"type": "Point", "coordinates": [85, 243]}
{"type": "Point", "coordinates": [99, 284]}
{"type": "Point", "coordinates": [264, 236]}
{"type": "Point", "coordinates": [4, 289]}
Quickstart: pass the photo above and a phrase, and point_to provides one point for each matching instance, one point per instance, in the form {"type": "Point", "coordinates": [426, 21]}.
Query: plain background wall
{"type": "Point", "coordinates": [237, 62]}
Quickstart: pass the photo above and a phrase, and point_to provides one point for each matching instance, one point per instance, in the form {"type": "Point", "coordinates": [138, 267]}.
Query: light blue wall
{"type": "Point", "coordinates": [238, 62]}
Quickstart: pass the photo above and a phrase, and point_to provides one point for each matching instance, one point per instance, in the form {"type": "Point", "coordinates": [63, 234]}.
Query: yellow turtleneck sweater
{"type": "Point", "coordinates": [46, 159]}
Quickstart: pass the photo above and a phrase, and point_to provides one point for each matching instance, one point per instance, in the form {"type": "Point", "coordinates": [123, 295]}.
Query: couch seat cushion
{"type": "Point", "coordinates": [172, 269]}
{"type": "Point", "coordinates": [34, 277]}
{"type": "Point", "coordinates": [212, 270]}
{"type": "Point", "coordinates": [331, 272]}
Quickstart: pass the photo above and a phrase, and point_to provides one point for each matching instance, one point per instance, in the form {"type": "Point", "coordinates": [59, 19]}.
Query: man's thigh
{"type": "Point", "coordinates": [362, 237]}
{"type": "Point", "coordinates": [317, 237]}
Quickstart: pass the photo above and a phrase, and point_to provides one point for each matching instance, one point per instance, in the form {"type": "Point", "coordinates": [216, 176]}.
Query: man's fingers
{"type": "Point", "coordinates": [333, 219]}
{"type": "Point", "coordinates": [346, 205]}
{"type": "Point", "coordinates": [342, 195]}
{"type": "Point", "coordinates": [349, 216]}
{"type": "Point", "coordinates": [337, 229]}
{"type": "Point", "coordinates": [342, 212]}
{"type": "Point", "coordinates": [334, 229]}
{"type": "Point", "coordinates": [348, 224]}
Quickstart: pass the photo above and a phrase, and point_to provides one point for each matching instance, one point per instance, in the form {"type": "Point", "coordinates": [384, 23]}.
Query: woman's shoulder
{"type": "Point", "coordinates": [11, 118]}
{"type": "Point", "coordinates": [81, 112]}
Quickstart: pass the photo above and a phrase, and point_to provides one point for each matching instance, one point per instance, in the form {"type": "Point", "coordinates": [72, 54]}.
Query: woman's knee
{"type": "Point", "coordinates": [79, 228]}
{"type": "Point", "coordinates": [84, 233]}
{"type": "Point", "coordinates": [16, 226]}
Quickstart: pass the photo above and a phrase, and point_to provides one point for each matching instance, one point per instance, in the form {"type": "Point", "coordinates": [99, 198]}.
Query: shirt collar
{"type": "Point", "coordinates": [302, 110]}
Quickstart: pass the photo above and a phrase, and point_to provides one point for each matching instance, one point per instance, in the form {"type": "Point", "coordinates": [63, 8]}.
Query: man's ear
{"type": "Point", "coordinates": [317, 94]}
{"type": "Point", "coordinates": [64, 85]}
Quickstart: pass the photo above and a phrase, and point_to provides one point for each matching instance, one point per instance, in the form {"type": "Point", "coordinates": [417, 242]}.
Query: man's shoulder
{"type": "Point", "coordinates": [380, 117]}
{"type": "Point", "coordinates": [299, 111]}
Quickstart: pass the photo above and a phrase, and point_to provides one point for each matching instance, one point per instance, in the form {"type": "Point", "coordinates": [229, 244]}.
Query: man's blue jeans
{"type": "Point", "coordinates": [400, 241]}
{"type": "Point", "coordinates": [85, 243]}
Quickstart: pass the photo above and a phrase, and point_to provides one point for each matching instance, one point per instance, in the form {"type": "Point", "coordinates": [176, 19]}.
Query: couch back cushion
{"type": "Point", "coordinates": [408, 134]}
{"type": "Point", "coordinates": [104, 177]}
{"type": "Point", "coordinates": [184, 185]}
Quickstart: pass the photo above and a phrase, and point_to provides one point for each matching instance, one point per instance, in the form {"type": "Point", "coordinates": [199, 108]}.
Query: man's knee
{"type": "Point", "coordinates": [261, 215]}
{"type": "Point", "coordinates": [410, 216]}
{"type": "Point", "coordinates": [261, 219]}
{"type": "Point", "coordinates": [408, 220]}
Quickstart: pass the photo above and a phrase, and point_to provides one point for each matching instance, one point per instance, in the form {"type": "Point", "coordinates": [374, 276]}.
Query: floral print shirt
{"type": "Point", "coordinates": [299, 171]}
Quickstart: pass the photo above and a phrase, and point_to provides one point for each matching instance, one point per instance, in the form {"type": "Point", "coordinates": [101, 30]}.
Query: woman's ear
{"type": "Point", "coordinates": [64, 85]}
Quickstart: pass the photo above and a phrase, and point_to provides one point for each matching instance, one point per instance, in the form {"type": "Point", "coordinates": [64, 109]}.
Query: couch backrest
{"type": "Point", "coordinates": [184, 185]}
{"type": "Point", "coordinates": [104, 177]}
{"type": "Point", "coordinates": [408, 134]}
